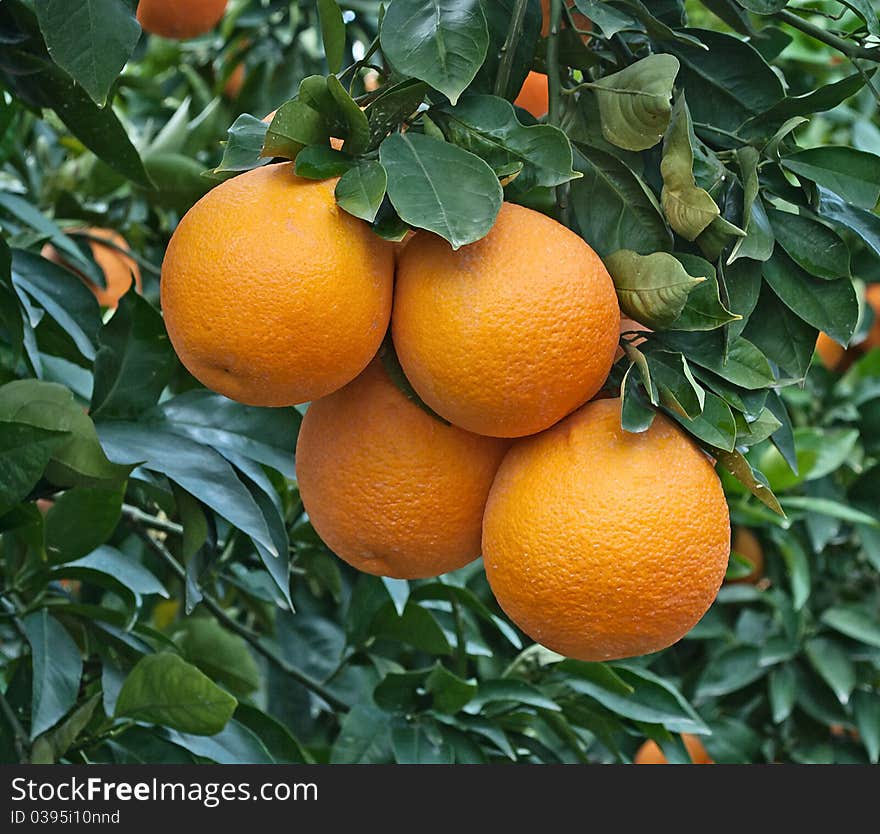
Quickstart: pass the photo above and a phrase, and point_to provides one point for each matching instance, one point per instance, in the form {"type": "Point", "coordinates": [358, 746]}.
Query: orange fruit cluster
{"type": "Point", "coordinates": [597, 542]}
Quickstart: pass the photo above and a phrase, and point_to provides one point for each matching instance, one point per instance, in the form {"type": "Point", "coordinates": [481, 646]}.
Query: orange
{"type": "Point", "coordinates": [389, 488]}
{"type": "Point", "coordinates": [534, 96]}
{"type": "Point", "coordinates": [234, 83]}
{"type": "Point", "coordinates": [829, 351]}
{"type": "Point", "coordinates": [580, 21]}
{"type": "Point", "coordinates": [872, 296]}
{"type": "Point", "coordinates": [272, 294]}
{"type": "Point", "coordinates": [650, 752]}
{"type": "Point", "coordinates": [117, 267]}
{"type": "Point", "coordinates": [746, 544]}
{"type": "Point", "coordinates": [508, 335]}
{"type": "Point", "coordinates": [180, 19]}
{"type": "Point", "coordinates": [601, 544]}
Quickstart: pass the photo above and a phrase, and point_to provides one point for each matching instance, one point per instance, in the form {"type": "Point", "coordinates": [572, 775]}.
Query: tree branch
{"type": "Point", "coordinates": [508, 50]}
{"type": "Point", "coordinates": [828, 38]}
{"type": "Point", "coordinates": [554, 87]}
{"type": "Point", "coordinates": [19, 735]}
{"type": "Point", "coordinates": [242, 631]}
{"type": "Point", "coordinates": [150, 521]}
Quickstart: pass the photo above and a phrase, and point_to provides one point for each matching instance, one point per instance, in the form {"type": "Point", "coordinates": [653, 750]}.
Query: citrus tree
{"type": "Point", "coordinates": [283, 180]}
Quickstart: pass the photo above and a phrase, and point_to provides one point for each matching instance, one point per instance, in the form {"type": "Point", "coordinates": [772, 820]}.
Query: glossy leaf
{"type": "Point", "coordinates": [361, 189]}
{"type": "Point", "coordinates": [848, 172]}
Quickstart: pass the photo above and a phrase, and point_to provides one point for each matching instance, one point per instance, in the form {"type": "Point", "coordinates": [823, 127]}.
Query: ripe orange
{"type": "Point", "coordinates": [534, 96]}
{"type": "Point", "coordinates": [389, 488]}
{"type": "Point", "coordinates": [580, 20]}
{"type": "Point", "coordinates": [180, 19]}
{"type": "Point", "coordinates": [272, 294]}
{"type": "Point", "coordinates": [601, 544]}
{"type": "Point", "coordinates": [117, 267]}
{"type": "Point", "coordinates": [829, 351]}
{"type": "Point", "coordinates": [508, 335]}
{"type": "Point", "coordinates": [650, 752]}
{"type": "Point", "coordinates": [234, 83]}
{"type": "Point", "coordinates": [746, 543]}
{"type": "Point", "coordinates": [872, 296]}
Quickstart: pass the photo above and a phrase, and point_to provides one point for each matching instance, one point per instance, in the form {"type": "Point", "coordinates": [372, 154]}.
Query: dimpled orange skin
{"type": "Point", "coordinates": [272, 294]}
{"type": "Point", "coordinates": [389, 488]}
{"type": "Point", "coordinates": [601, 544]}
{"type": "Point", "coordinates": [117, 267]}
{"type": "Point", "coordinates": [180, 19]}
{"type": "Point", "coordinates": [650, 753]}
{"type": "Point", "coordinates": [508, 335]}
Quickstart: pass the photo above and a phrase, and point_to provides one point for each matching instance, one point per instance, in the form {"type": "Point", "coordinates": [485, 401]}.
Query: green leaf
{"type": "Point", "coordinates": [361, 189]}
{"type": "Point", "coordinates": [450, 692]}
{"type": "Point", "coordinates": [511, 692]}
{"type": "Point", "coordinates": [781, 334]}
{"type": "Point", "coordinates": [221, 655]}
{"type": "Point", "coordinates": [112, 568]}
{"type": "Point", "coordinates": [43, 84]}
{"type": "Point", "coordinates": [634, 103]}
{"type": "Point", "coordinates": [90, 39]}
{"type": "Point", "coordinates": [863, 223]}
{"type": "Point", "coordinates": [678, 390]}
{"type": "Point", "coordinates": [283, 747]}
{"type": "Point", "coordinates": [798, 567]}
{"type": "Point", "coordinates": [134, 362]}
{"type": "Point", "coordinates": [652, 289]}
{"type": "Point", "coordinates": [51, 746]}
{"type": "Point", "coordinates": [850, 173]}
{"type": "Point", "coordinates": [732, 669]}
{"type": "Point", "coordinates": [766, 7]}
{"type": "Point", "coordinates": [355, 126]}
{"type": "Point", "coordinates": [234, 744]}
{"type": "Point", "coordinates": [853, 622]}
{"type": "Point", "coordinates": [744, 364]}
{"type": "Point", "coordinates": [178, 181]}
{"type": "Point", "coordinates": [394, 104]}
{"type": "Point", "coordinates": [867, 11]}
{"type": "Point", "coordinates": [441, 42]}
{"type": "Point", "coordinates": [321, 162]}
{"type": "Point", "coordinates": [332, 33]}
{"type": "Point", "coordinates": [80, 460]}
{"type": "Point", "coordinates": [715, 425]}
{"type": "Point", "coordinates": [308, 119]}
{"type": "Point", "coordinates": [364, 737]}
{"type": "Point", "coordinates": [735, 463]}
{"type": "Point", "coordinates": [164, 689]}
{"type": "Point", "coordinates": [614, 208]}
{"type": "Point", "coordinates": [244, 144]}
{"type": "Point", "coordinates": [831, 306]}
{"type": "Point", "coordinates": [832, 509]}
{"type": "Point", "coordinates": [834, 667]}
{"type": "Point", "coordinates": [866, 709]}
{"type": "Point", "coordinates": [781, 690]}
{"type": "Point", "coordinates": [62, 294]}
{"type": "Point", "coordinates": [80, 520]}
{"type": "Point", "coordinates": [759, 240]}
{"type": "Point", "coordinates": [439, 187]}
{"type": "Point", "coordinates": [689, 209]}
{"type": "Point", "coordinates": [488, 127]}
{"type": "Point", "coordinates": [636, 413]}
{"type": "Point", "coordinates": [267, 435]}
{"type": "Point", "coordinates": [25, 452]}
{"type": "Point", "coordinates": [417, 627]}
{"type": "Point", "coordinates": [609, 20]}
{"type": "Point", "coordinates": [650, 699]}
{"type": "Point", "coordinates": [57, 669]}
{"type": "Point", "coordinates": [811, 244]}
{"type": "Point", "coordinates": [415, 745]}
{"type": "Point", "coordinates": [726, 85]}
{"type": "Point", "coordinates": [703, 309]}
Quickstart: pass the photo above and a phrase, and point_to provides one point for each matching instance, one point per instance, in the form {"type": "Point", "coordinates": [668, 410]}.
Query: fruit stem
{"type": "Point", "coordinates": [238, 628]}
{"type": "Point", "coordinates": [555, 92]}
{"type": "Point", "coordinates": [508, 50]}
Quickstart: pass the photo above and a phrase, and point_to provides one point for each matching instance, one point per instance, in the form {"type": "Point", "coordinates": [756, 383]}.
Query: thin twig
{"type": "Point", "coordinates": [828, 38]}
{"type": "Point", "coordinates": [151, 521]}
{"type": "Point", "coordinates": [508, 50]}
{"type": "Point", "coordinates": [555, 92]}
{"type": "Point", "coordinates": [19, 735]}
{"type": "Point", "coordinates": [460, 642]}
{"type": "Point", "coordinates": [242, 631]}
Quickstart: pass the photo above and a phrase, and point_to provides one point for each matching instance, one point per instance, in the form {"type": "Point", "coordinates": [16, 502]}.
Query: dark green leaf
{"type": "Point", "coordinates": [833, 666]}
{"type": "Point", "coordinates": [364, 737]}
{"type": "Point", "coordinates": [850, 173]}
{"type": "Point", "coordinates": [441, 42]}
{"type": "Point", "coordinates": [759, 241]}
{"type": "Point", "coordinates": [414, 745]}
{"type": "Point", "coordinates": [57, 669]}
{"type": "Point", "coordinates": [744, 364]}
{"type": "Point", "coordinates": [332, 33]}
{"type": "Point", "coordinates": [440, 187]}
{"type": "Point", "coordinates": [108, 563]}
{"type": "Point", "coordinates": [853, 622]}
{"type": "Point", "coordinates": [798, 566]}
{"type": "Point", "coordinates": [234, 744]}
{"type": "Point", "coordinates": [394, 104]}
{"type": "Point", "coordinates": [51, 746]}
{"type": "Point", "coordinates": [244, 144]}
{"type": "Point", "coordinates": [361, 189]}
{"type": "Point", "coordinates": [781, 689]}
{"type": "Point", "coordinates": [25, 452]}
{"type": "Point", "coordinates": [509, 690]}
{"type": "Point", "coordinates": [164, 689]}
{"type": "Point", "coordinates": [863, 223]}
{"type": "Point", "coordinates": [221, 655]}
{"type": "Point", "coordinates": [80, 520]}
{"type": "Point", "coordinates": [812, 245]}
{"type": "Point", "coordinates": [732, 669]}
{"type": "Point", "coordinates": [321, 162]}
{"type": "Point", "coordinates": [614, 209]}
{"type": "Point", "coordinates": [866, 708]}
{"type": "Point", "coordinates": [450, 692]}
